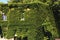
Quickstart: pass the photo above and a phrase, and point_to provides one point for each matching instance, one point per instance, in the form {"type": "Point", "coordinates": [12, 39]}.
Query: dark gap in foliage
{"type": "Point", "coordinates": [46, 33]}
{"type": "Point", "coordinates": [25, 38]}
{"type": "Point", "coordinates": [1, 34]}
{"type": "Point", "coordinates": [55, 9]}
{"type": "Point", "coordinates": [13, 6]}
{"type": "Point", "coordinates": [44, 0]}
{"type": "Point", "coordinates": [4, 5]}
{"type": "Point", "coordinates": [54, 0]}
{"type": "Point", "coordinates": [17, 38]}
{"type": "Point", "coordinates": [26, 29]}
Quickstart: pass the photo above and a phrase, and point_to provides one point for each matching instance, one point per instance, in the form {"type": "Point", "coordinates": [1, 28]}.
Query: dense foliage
{"type": "Point", "coordinates": [25, 18]}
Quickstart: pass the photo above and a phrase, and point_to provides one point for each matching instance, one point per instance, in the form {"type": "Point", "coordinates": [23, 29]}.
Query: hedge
{"type": "Point", "coordinates": [35, 14]}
